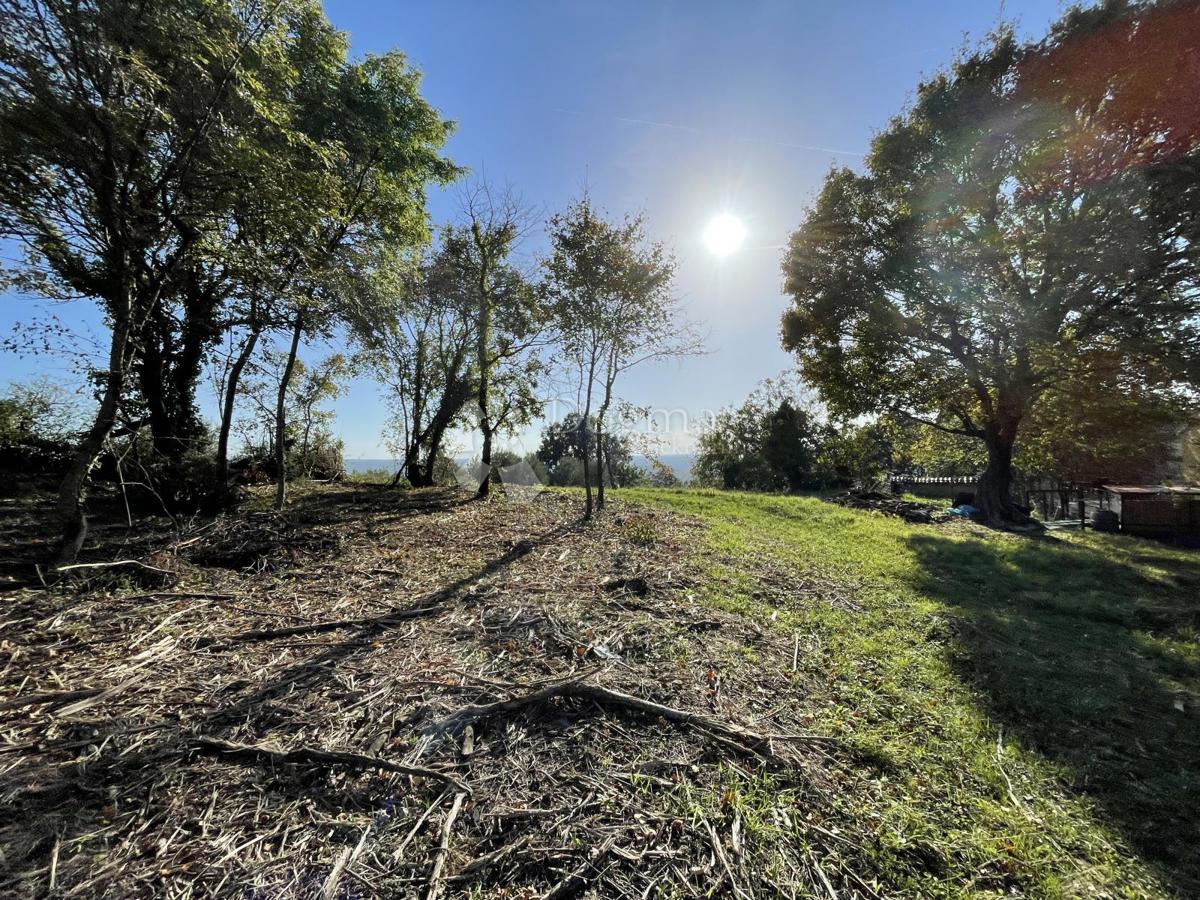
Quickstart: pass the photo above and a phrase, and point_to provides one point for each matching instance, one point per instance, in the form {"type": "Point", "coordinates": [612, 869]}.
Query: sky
{"type": "Point", "coordinates": [681, 110]}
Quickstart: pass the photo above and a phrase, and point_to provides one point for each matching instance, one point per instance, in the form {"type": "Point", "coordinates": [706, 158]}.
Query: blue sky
{"type": "Point", "coordinates": [680, 109]}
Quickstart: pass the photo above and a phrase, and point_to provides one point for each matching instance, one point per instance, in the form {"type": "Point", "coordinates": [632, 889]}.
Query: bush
{"type": "Point", "coordinates": [40, 424]}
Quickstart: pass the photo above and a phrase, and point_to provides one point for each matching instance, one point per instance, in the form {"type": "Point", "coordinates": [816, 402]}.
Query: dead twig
{"type": "Point", "coordinates": [114, 563]}
{"type": "Point", "coordinates": [229, 749]}
{"type": "Point", "coordinates": [443, 850]}
{"type": "Point", "coordinates": [267, 634]}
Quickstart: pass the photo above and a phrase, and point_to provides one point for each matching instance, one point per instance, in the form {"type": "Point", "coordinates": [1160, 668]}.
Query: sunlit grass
{"type": "Point", "coordinates": [1024, 710]}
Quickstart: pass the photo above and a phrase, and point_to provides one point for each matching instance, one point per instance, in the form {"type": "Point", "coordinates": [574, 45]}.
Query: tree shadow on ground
{"type": "Point", "coordinates": [1089, 656]}
{"type": "Point", "coordinates": [62, 807]}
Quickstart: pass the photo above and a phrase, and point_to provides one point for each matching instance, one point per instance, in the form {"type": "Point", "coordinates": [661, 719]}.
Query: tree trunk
{"type": "Point", "coordinates": [599, 464]}
{"type": "Point", "coordinates": [993, 494]}
{"type": "Point", "coordinates": [72, 492]}
{"type": "Point", "coordinates": [421, 476]}
{"type": "Point", "coordinates": [483, 339]}
{"type": "Point", "coordinates": [600, 455]}
{"type": "Point", "coordinates": [586, 451]}
{"type": "Point", "coordinates": [610, 376]}
{"type": "Point", "coordinates": [485, 459]}
{"type": "Point", "coordinates": [235, 375]}
{"type": "Point", "coordinates": [584, 448]}
{"type": "Point", "coordinates": [281, 415]}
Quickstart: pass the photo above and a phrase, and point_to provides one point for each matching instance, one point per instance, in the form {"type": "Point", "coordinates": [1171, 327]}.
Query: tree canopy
{"type": "Point", "coordinates": [1031, 213]}
{"type": "Point", "coordinates": [198, 165]}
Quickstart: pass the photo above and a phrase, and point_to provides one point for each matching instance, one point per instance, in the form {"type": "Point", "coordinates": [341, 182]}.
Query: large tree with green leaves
{"type": "Point", "coordinates": [382, 144]}
{"type": "Point", "coordinates": [125, 131]}
{"type": "Point", "coordinates": [1034, 210]}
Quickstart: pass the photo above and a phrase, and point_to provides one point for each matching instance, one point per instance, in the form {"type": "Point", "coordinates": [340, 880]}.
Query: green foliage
{"type": "Point", "coordinates": [39, 424]}
{"type": "Point", "coordinates": [310, 448]}
{"type": "Point", "coordinates": [196, 165]}
{"type": "Point", "coordinates": [777, 440]}
{"type": "Point", "coordinates": [563, 445]}
{"type": "Point", "coordinates": [610, 292]}
{"type": "Point", "coordinates": [791, 445]}
{"type": "Point", "coordinates": [41, 409]}
{"type": "Point", "coordinates": [1013, 227]}
{"type": "Point", "coordinates": [422, 357]}
{"type": "Point", "coordinates": [1104, 425]}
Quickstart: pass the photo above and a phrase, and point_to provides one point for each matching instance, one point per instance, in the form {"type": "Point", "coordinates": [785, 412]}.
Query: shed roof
{"type": "Point", "coordinates": [1146, 489]}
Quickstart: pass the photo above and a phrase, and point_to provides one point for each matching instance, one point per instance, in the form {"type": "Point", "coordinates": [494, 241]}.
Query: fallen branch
{"type": "Point", "coordinates": [109, 565]}
{"type": "Point", "coordinates": [581, 688]}
{"type": "Point", "coordinates": [229, 749]}
{"type": "Point", "coordinates": [268, 634]}
{"type": "Point", "coordinates": [457, 721]}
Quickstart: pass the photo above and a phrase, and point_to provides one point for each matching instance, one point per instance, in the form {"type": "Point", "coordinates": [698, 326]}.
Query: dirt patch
{"type": "Point", "coordinates": [909, 511]}
{"type": "Point", "coordinates": [272, 721]}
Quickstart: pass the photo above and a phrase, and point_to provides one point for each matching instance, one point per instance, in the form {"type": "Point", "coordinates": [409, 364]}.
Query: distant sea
{"type": "Point", "coordinates": [372, 465]}
{"type": "Point", "coordinates": [680, 463]}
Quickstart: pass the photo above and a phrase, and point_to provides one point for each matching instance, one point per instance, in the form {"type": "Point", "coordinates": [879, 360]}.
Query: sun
{"type": "Point", "coordinates": [724, 234]}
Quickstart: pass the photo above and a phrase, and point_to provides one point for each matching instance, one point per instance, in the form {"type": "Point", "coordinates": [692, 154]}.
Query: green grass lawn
{"type": "Point", "coordinates": [1023, 712]}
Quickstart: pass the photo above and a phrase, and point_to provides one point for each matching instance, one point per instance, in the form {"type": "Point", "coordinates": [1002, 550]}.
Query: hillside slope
{"type": "Point", "coordinates": [382, 694]}
{"type": "Point", "coordinates": [1032, 705]}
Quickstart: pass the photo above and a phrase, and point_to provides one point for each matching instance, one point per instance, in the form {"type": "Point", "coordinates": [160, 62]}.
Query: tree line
{"type": "Point", "coordinates": [217, 174]}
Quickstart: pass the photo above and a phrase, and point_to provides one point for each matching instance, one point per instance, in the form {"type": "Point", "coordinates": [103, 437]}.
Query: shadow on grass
{"type": "Point", "coordinates": [1091, 658]}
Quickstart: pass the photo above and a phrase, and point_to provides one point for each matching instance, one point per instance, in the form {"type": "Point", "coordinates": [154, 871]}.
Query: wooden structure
{"type": "Point", "coordinates": [1158, 511]}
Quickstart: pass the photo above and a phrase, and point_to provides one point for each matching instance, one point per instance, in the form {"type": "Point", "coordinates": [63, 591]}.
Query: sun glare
{"type": "Point", "coordinates": [724, 234]}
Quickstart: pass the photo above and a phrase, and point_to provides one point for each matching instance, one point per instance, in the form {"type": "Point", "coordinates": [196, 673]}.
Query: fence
{"type": "Point", "coordinates": [1051, 499]}
{"type": "Point", "coordinates": [948, 487]}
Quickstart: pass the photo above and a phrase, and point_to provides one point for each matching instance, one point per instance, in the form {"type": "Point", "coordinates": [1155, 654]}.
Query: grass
{"type": "Point", "coordinates": [1023, 711]}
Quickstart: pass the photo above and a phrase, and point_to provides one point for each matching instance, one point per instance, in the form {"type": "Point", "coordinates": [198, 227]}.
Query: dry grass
{"type": "Point", "coordinates": [355, 623]}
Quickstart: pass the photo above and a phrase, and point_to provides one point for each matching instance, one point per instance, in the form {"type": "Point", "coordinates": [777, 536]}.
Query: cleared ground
{"type": "Point", "coordinates": [381, 694]}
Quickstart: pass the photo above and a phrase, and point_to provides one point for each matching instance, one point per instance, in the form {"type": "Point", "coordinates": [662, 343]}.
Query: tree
{"type": "Point", "coordinates": [792, 445]}
{"type": "Point", "coordinates": [383, 141]}
{"type": "Point", "coordinates": [121, 136]}
{"type": "Point", "coordinates": [40, 423]}
{"type": "Point", "coordinates": [611, 294]}
{"type": "Point", "coordinates": [563, 452]}
{"type": "Point", "coordinates": [422, 358]}
{"type": "Point", "coordinates": [509, 315]}
{"type": "Point", "coordinates": [771, 442]}
{"type": "Point", "coordinates": [855, 453]}
{"type": "Point", "coordinates": [309, 444]}
{"type": "Point", "coordinates": [1022, 217]}
{"type": "Point", "coordinates": [1104, 427]}
{"type": "Point", "coordinates": [316, 386]}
